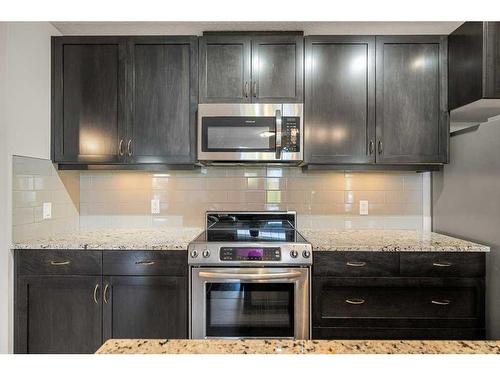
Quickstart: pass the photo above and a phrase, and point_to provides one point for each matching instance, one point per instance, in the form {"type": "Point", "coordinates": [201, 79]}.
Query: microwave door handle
{"type": "Point", "coordinates": [278, 134]}
{"type": "Point", "coordinates": [252, 276]}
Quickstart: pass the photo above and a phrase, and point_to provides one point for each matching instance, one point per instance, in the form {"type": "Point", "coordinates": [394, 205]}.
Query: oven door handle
{"type": "Point", "coordinates": [252, 276]}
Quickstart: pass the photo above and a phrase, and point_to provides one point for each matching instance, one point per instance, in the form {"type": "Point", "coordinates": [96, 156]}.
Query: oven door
{"type": "Point", "coordinates": [247, 132]}
{"type": "Point", "coordinates": [250, 303]}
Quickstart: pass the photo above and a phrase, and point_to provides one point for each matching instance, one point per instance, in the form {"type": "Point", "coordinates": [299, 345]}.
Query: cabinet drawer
{"type": "Point", "coordinates": [355, 263]}
{"type": "Point", "coordinates": [156, 262]}
{"type": "Point", "coordinates": [443, 264]}
{"type": "Point", "coordinates": [397, 302]}
{"type": "Point", "coordinates": [58, 262]}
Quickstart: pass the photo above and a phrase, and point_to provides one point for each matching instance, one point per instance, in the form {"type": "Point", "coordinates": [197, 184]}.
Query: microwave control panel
{"type": "Point", "coordinates": [290, 137]}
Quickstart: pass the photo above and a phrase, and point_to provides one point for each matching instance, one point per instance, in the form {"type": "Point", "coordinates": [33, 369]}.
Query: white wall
{"type": "Point", "coordinates": [24, 130]}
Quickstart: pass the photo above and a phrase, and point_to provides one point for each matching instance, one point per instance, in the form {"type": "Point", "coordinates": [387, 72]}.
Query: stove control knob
{"type": "Point", "coordinates": [306, 253]}
{"type": "Point", "coordinates": [294, 253]}
{"type": "Point", "coordinates": [194, 254]}
{"type": "Point", "coordinates": [206, 253]}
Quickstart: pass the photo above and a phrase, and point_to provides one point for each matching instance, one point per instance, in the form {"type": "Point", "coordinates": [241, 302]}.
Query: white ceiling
{"type": "Point", "coordinates": [309, 28]}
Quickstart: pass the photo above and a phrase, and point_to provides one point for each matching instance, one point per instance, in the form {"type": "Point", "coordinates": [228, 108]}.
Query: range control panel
{"type": "Point", "coordinates": [291, 136]}
{"type": "Point", "coordinates": [250, 253]}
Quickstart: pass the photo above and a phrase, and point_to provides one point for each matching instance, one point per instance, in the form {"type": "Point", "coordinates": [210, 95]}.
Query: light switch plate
{"type": "Point", "coordinates": [155, 206]}
{"type": "Point", "coordinates": [47, 210]}
{"type": "Point", "coordinates": [363, 207]}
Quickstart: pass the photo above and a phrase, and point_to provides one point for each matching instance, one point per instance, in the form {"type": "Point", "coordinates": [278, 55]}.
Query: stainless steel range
{"type": "Point", "coordinates": [250, 277]}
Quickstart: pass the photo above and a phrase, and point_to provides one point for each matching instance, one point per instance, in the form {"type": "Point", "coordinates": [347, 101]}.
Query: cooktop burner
{"type": "Point", "coordinates": [263, 237]}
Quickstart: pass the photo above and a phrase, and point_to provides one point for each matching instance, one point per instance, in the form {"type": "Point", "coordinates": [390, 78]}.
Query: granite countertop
{"type": "Point", "coordinates": [118, 239]}
{"type": "Point", "coordinates": [387, 240]}
{"type": "Point", "coordinates": [321, 240]}
{"type": "Point", "coordinates": [298, 347]}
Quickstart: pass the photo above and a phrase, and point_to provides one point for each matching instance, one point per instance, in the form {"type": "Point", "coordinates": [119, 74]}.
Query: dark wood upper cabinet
{"type": "Point", "coordinates": [277, 68]}
{"type": "Point", "coordinates": [124, 100]}
{"type": "Point", "coordinates": [163, 100]}
{"type": "Point", "coordinates": [225, 69]}
{"type": "Point", "coordinates": [58, 314]}
{"type": "Point", "coordinates": [411, 89]}
{"type": "Point", "coordinates": [87, 99]}
{"type": "Point", "coordinates": [251, 67]}
{"type": "Point", "coordinates": [145, 307]}
{"type": "Point", "coordinates": [340, 99]}
{"type": "Point", "coordinates": [474, 71]}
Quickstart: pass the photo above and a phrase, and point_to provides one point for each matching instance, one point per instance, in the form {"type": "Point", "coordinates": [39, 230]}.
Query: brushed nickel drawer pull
{"type": "Point", "coordinates": [63, 263]}
{"type": "Point", "coordinates": [145, 262]}
{"type": "Point", "coordinates": [441, 302]}
{"type": "Point", "coordinates": [355, 301]}
{"type": "Point", "coordinates": [356, 264]}
{"type": "Point", "coordinates": [441, 264]}
{"type": "Point", "coordinates": [120, 148]}
{"type": "Point", "coordinates": [129, 147]}
{"type": "Point", "coordinates": [106, 288]}
{"type": "Point", "coordinates": [95, 293]}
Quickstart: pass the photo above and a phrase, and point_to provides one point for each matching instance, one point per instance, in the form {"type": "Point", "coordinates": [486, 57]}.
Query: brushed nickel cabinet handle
{"type": "Point", "coordinates": [356, 264]}
{"type": "Point", "coordinates": [129, 147]}
{"type": "Point", "coordinates": [442, 264]}
{"type": "Point", "coordinates": [145, 262]}
{"type": "Point", "coordinates": [441, 302]}
{"type": "Point", "coordinates": [355, 301]}
{"type": "Point", "coordinates": [105, 294]}
{"type": "Point", "coordinates": [120, 148]}
{"type": "Point", "coordinates": [63, 263]}
{"type": "Point", "coordinates": [95, 293]}
{"type": "Point", "coordinates": [370, 147]}
{"type": "Point", "coordinates": [254, 90]}
{"type": "Point", "coordinates": [245, 89]}
{"type": "Point", "coordinates": [380, 149]}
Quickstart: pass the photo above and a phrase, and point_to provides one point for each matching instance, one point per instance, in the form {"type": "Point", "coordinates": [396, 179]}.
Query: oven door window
{"type": "Point", "coordinates": [243, 134]}
{"type": "Point", "coordinates": [250, 310]}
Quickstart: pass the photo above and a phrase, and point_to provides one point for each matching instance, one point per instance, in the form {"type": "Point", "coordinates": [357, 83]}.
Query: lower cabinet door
{"type": "Point", "coordinates": [403, 304]}
{"type": "Point", "coordinates": [58, 314]}
{"type": "Point", "coordinates": [145, 307]}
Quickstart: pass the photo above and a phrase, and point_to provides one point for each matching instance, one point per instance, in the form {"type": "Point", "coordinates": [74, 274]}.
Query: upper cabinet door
{"type": "Point", "coordinates": [492, 63]}
{"type": "Point", "coordinates": [411, 87]}
{"type": "Point", "coordinates": [340, 99]}
{"type": "Point", "coordinates": [277, 68]}
{"type": "Point", "coordinates": [163, 87]}
{"type": "Point", "coordinates": [224, 69]}
{"type": "Point", "coordinates": [87, 93]}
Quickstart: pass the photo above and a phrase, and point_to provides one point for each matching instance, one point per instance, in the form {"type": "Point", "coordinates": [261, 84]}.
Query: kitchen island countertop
{"type": "Point", "coordinates": [158, 346]}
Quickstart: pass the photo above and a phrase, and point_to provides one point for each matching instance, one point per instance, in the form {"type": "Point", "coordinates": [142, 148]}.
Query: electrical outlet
{"type": "Point", "coordinates": [155, 206]}
{"type": "Point", "coordinates": [47, 210]}
{"type": "Point", "coordinates": [363, 207]}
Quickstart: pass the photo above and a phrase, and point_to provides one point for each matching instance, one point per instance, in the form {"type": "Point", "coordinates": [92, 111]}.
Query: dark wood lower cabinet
{"type": "Point", "coordinates": [405, 305]}
{"type": "Point", "coordinates": [112, 295]}
{"type": "Point", "coordinates": [148, 307]}
{"type": "Point", "coordinates": [58, 314]}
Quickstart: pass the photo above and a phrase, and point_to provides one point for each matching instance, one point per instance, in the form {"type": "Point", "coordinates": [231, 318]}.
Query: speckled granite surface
{"type": "Point", "coordinates": [322, 240]}
{"type": "Point", "coordinates": [387, 240]}
{"type": "Point", "coordinates": [119, 239]}
{"type": "Point", "coordinates": [297, 347]}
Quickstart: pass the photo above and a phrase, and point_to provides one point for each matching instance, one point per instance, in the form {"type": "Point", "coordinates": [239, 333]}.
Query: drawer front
{"type": "Point", "coordinates": [355, 263]}
{"type": "Point", "coordinates": [398, 302]}
{"type": "Point", "coordinates": [58, 262]}
{"type": "Point", "coordinates": [443, 264]}
{"type": "Point", "coordinates": [156, 262]}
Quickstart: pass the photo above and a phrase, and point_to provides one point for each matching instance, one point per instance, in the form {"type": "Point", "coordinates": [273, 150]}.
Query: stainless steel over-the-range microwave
{"type": "Point", "coordinates": [250, 133]}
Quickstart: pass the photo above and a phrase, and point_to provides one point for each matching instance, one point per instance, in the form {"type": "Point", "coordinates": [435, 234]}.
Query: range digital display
{"type": "Point", "coordinates": [253, 252]}
{"type": "Point", "coordinates": [250, 253]}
